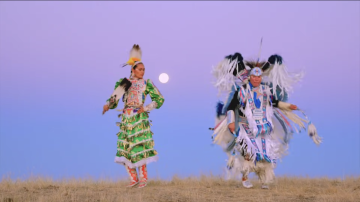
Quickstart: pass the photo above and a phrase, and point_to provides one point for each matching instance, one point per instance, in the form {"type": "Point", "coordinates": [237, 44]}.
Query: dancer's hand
{"type": "Point", "coordinates": [232, 127]}
{"type": "Point", "coordinates": [141, 110]}
{"type": "Point", "coordinates": [293, 107]}
{"type": "Point", "coordinates": [105, 108]}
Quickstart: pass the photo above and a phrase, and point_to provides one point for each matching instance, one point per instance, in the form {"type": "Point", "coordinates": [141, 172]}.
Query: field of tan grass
{"type": "Point", "coordinates": [204, 188]}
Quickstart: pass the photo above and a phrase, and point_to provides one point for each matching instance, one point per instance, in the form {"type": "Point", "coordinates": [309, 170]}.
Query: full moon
{"type": "Point", "coordinates": [164, 78]}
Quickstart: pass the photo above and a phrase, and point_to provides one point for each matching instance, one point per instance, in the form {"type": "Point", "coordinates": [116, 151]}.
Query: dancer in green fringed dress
{"type": "Point", "coordinates": [135, 145]}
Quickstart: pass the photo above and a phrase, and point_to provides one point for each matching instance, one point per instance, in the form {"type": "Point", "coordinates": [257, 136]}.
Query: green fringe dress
{"type": "Point", "coordinates": [135, 145]}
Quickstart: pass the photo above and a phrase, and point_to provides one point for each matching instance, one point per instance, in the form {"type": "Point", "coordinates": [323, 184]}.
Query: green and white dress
{"type": "Point", "coordinates": [135, 145]}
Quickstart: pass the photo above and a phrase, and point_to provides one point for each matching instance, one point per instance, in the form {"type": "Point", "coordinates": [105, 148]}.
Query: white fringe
{"type": "Point", "coordinates": [278, 147]}
{"type": "Point", "coordinates": [222, 133]}
{"type": "Point", "coordinates": [224, 78]}
{"type": "Point", "coordinates": [313, 134]}
{"type": "Point", "coordinates": [124, 161]}
{"type": "Point", "coordinates": [279, 76]}
{"type": "Point", "coordinates": [284, 108]}
{"type": "Point", "coordinates": [295, 119]}
{"type": "Point", "coordinates": [250, 148]}
{"type": "Point", "coordinates": [252, 124]}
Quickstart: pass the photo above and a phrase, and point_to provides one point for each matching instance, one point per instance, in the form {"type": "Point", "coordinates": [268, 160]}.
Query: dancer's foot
{"type": "Point", "coordinates": [132, 183]}
{"type": "Point", "coordinates": [264, 186]}
{"type": "Point", "coordinates": [142, 184]}
{"type": "Point", "coordinates": [247, 184]}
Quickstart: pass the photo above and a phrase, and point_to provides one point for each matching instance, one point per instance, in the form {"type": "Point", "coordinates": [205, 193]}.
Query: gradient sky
{"type": "Point", "coordinates": [60, 60]}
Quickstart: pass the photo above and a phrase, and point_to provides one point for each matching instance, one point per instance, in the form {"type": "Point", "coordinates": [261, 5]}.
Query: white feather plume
{"type": "Point", "coordinates": [279, 76]}
{"type": "Point", "coordinates": [224, 78]}
{"type": "Point", "coordinates": [136, 52]}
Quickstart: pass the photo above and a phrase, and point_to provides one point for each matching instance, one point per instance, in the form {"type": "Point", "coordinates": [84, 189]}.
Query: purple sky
{"type": "Point", "coordinates": [59, 62]}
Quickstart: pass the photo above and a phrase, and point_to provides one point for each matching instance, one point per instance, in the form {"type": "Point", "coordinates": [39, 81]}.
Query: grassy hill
{"type": "Point", "coordinates": [204, 188]}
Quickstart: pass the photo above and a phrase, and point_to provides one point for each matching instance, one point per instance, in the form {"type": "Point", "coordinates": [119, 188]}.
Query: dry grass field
{"type": "Point", "coordinates": [204, 188]}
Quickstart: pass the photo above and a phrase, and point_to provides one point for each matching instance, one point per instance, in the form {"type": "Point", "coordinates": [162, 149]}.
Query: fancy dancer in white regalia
{"type": "Point", "coordinates": [255, 123]}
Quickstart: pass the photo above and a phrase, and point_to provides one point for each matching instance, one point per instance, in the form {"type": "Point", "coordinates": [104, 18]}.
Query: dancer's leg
{"type": "Point", "coordinates": [143, 176]}
{"type": "Point", "coordinates": [133, 176]}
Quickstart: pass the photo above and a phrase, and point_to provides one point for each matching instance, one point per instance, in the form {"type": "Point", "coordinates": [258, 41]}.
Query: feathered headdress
{"type": "Point", "coordinates": [274, 72]}
{"type": "Point", "coordinates": [135, 56]}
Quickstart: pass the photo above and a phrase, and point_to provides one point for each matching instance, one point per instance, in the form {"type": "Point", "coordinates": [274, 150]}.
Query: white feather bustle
{"type": "Point", "coordinates": [279, 76]}
{"type": "Point", "coordinates": [224, 78]}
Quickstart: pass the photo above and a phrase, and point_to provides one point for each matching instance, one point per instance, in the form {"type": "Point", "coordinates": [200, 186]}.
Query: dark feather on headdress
{"type": "Point", "coordinates": [265, 66]}
{"type": "Point", "coordinates": [240, 62]}
{"type": "Point", "coordinates": [253, 64]}
{"type": "Point", "coordinates": [274, 58]}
